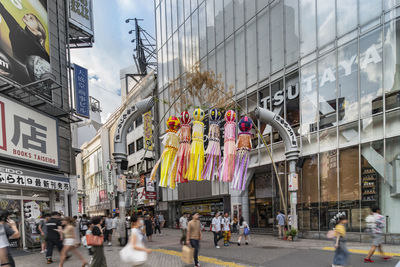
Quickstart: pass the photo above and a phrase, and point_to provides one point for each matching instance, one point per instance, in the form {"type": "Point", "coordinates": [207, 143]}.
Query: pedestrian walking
{"type": "Point", "coordinates": [280, 218]}
{"type": "Point", "coordinates": [244, 231]}
{"type": "Point", "coordinates": [43, 231]}
{"type": "Point", "coordinates": [235, 224]}
{"type": "Point", "coordinates": [53, 237]}
{"type": "Point", "coordinates": [375, 225]}
{"type": "Point", "coordinates": [194, 236]}
{"type": "Point", "coordinates": [109, 226]}
{"type": "Point", "coordinates": [99, 259]}
{"type": "Point", "coordinates": [183, 222]}
{"type": "Point", "coordinates": [149, 228]}
{"type": "Point", "coordinates": [8, 230]}
{"type": "Point", "coordinates": [157, 225]}
{"type": "Point", "coordinates": [341, 257]}
{"type": "Point", "coordinates": [84, 224]}
{"type": "Point", "coordinates": [162, 220]}
{"type": "Point", "coordinates": [216, 229]}
{"type": "Point", "coordinates": [226, 223]}
{"type": "Point", "coordinates": [69, 240]}
{"type": "Point", "coordinates": [77, 231]}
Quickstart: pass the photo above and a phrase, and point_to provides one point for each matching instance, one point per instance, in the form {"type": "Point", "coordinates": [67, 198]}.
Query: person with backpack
{"type": "Point", "coordinates": [375, 225]}
{"type": "Point", "coordinates": [341, 257]}
{"type": "Point", "coordinates": [244, 231]}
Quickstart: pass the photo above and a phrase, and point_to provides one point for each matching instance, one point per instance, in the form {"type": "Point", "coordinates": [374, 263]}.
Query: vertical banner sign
{"type": "Point", "coordinates": [81, 84]}
{"type": "Point", "coordinates": [293, 182]}
{"type": "Point", "coordinates": [148, 130]}
{"type": "Point", "coordinates": [24, 40]}
{"type": "Point", "coordinates": [81, 15]}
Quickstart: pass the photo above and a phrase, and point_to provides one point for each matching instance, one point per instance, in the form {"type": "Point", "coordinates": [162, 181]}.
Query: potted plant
{"type": "Point", "coordinates": [291, 234]}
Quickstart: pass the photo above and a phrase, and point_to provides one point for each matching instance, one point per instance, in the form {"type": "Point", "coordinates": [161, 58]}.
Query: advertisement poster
{"type": "Point", "coordinates": [81, 84]}
{"type": "Point", "coordinates": [148, 130]}
{"type": "Point", "coordinates": [24, 40]}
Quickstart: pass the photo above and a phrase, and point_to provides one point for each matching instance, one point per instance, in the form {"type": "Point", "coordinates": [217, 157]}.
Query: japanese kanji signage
{"type": "Point", "coordinates": [81, 85]}
{"type": "Point", "coordinates": [13, 176]}
{"type": "Point", "coordinates": [27, 134]}
{"type": "Point", "coordinates": [148, 130]}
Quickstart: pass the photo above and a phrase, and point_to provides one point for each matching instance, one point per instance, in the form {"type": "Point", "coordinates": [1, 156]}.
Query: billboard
{"type": "Point", "coordinates": [148, 130]}
{"type": "Point", "coordinates": [24, 40]}
{"type": "Point", "coordinates": [27, 135]}
{"type": "Point", "coordinates": [81, 84]}
{"type": "Point", "coordinates": [81, 14]}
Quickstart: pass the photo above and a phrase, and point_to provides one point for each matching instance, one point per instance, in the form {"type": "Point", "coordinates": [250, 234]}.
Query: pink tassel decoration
{"type": "Point", "coordinates": [213, 152]}
{"type": "Point", "coordinates": [184, 148]}
{"type": "Point", "coordinates": [228, 166]}
{"type": "Point", "coordinates": [242, 154]}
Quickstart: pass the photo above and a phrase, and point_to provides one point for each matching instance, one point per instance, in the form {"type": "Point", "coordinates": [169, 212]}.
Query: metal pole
{"type": "Point", "coordinates": [293, 196]}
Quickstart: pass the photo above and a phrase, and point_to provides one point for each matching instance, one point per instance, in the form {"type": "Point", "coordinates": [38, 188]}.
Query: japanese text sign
{"type": "Point", "coordinates": [81, 85]}
{"type": "Point", "coordinates": [148, 130]}
{"type": "Point", "coordinates": [27, 135]}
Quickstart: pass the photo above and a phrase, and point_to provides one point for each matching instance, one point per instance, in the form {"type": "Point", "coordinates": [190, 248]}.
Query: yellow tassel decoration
{"type": "Point", "coordinates": [196, 164]}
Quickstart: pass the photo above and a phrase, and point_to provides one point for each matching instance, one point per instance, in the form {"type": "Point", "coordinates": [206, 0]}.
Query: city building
{"type": "Point", "coordinates": [330, 69]}
{"type": "Point", "coordinates": [37, 167]}
{"type": "Point", "coordinates": [95, 163]}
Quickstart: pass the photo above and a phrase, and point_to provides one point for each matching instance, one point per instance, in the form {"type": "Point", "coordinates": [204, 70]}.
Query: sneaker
{"type": "Point", "coordinates": [238, 244]}
{"type": "Point", "coordinates": [247, 243]}
{"type": "Point", "coordinates": [49, 261]}
{"type": "Point", "coordinates": [386, 258]}
{"type": "Point", "coordinates": [41, 252]}
{"type": "Point", "coordinates": [368, 260]}
{"type": "Point", "coordinates": [217, 247]}
{"type": "Point", "coordinates": [109, 243]}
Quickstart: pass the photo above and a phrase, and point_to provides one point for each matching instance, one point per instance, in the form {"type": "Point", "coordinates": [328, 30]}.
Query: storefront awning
{"type": "Point", "coordinates": [24, 177]}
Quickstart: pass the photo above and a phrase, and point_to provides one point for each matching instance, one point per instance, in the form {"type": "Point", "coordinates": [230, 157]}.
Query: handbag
{"type": "Point", "coordinates": [187, 255]}
{"type": "Point", "coordinates": [94, 240]}
{"type": "Point", "coordinates": [129, 255]}
{"type": "Point", "coordinates": [246, 231]}
{"type": "Point", "coordinates": [330, 234]}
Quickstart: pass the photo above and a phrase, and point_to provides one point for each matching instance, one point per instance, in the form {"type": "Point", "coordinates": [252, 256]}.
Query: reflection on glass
{"type": "Point", "coordinates": [372, 169]}
{"type": "Point", "coordinates": [240, 59]}
{"type": "Point", "coordinates": [348, 134]}
{"type": "Point", "coordinates": [308, 99]}
{"type": "Point", "coordinates": [327, 139]}
{"type": "Point", "coordinates": [219, 21]}
{"type": "Point", "coordinates": [393, 123]}
{"type": "Point", "coordinates": [168, 21]}
{"type": "Point", "coordinates": [163, 24]}
{"type": "Point", "coordinates": [292, 101]}
{"type": "Point", "coordinates": [309, 192]}
{"type": "Point", "coordinates": [158, 23]}
{"type": "Point", "coordinates": [174, 15]}
{"type": "Point", "coordinates": [328, 188]}
{"type": "Point", "coordinates": [238, 13]}
{"type": "Point", "coordinates": [250, 9]}
{"type": "Point", "coordinates": [181, 11]}
{"type": "Point", "coordinates": [228, 17]}
{"type": "Point", "coordinates": [210, 25]}
{"type": "Point", "coordinates": [277, 105]}
{"type": "Point", "coordinates": [220, 62]}
{"type": "Point", "coordinates": [346, 16]}
{"type": "Point", "coordinates": [202, 30]}
{"type": "Point", "coordinates": [182, 52]}
{"type": "Point", "coordinates": [230, 62]}
{"type": "Point", "coordinates": [371, 128]}
{"type": "Point", "coordinates": [251, 56]}
{"type": "Point", "coordinates": [371, 73]}
{"type": "Point", "coordinates": [327, 90]}
{"type": "Point", "coordinates": [264, 96]}
{"type": "Point", "coordinates": [307, 27]}
{"type": "Point", "coordinates": [369, 10]}
{"type": "Point", "coordinates": [277, 46]}
{"type": "Point", "coordinates": [188, 43]}
{"type": "Point", "coordinates": [291, 30]}
{"type": "Point", "coordinates": [348, 82]}
{"type": "Point", "coordinates": [175, 48]}
{"type": "Point", "coordinates": [263, 44]}
{"type": "Point", "coordinates": [325, 21]}
{"type": "Point", "coordinates": [391, 64]}
{"type": "Point", "coordinates": [195, 37]}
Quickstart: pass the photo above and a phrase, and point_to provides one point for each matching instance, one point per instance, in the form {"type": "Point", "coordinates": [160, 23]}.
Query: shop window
{"type": "Point", "coordinates": [131, 148]}
{"type": "Point", "coordinates": [308, 216]}
{"type": "Point", "coordinates": [139, 144]}
{"type": "Point", "coordinates": [328, 189]}
{"type": "Point", "coordinates": [391, 63]}
{"type": "Point", "coordinates": [371, 73]}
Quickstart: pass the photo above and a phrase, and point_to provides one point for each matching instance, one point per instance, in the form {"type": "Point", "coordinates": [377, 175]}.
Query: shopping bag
{"type": "Point", "coordinates": [94, 240]}
{"type": "Point", "coordinates": [129, 255]}
{"type": "Point", "coordinates": [246, 231]}
{"type": "Point", "coordinates": [187, 255]}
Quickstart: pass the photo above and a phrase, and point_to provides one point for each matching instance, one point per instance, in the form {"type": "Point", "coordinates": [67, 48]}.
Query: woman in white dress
{"type": "Point", "coordinates": [242, 226]}
{"type": "Point", "coordinates": [136, 241]}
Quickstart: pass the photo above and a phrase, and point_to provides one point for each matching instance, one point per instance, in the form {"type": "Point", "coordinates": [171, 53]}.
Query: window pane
{"type": "Point", "coordinates": [265, 102]}
{"type": "Point", "coordinates": [210, 24]}
{"type": "Point", "coordinates": [169, 18]}
{"type": "Point", "coordinates": [346, 16]}
{"type": "Point", "coordinates": [251, 57]}
{"type": "Point", "coordinates": [369, 10]}
{"type": "Point", "coordinates": [327, 90]}
{"type": "Point", "coordinates": [221, 62]}
{"type": "Point", "coordinates": [163, 23]}
{"type": "Point", "coordinates": [391, 62]}
{"type": "Point", "coordinates": [250, 9]}
{"type": "Point", "coordinates": [263, 44]}
{"type": "Point", "coordinates": [309, 193]}
{"type": "Point", "coordinates": [371, 128]}
{"type": "Point", "coordinates": [180, 12]}
{"type": "Point", "coordinates": [277, 46]}
{"type": "Point", "coordinates": [175, 47]}
{"type": "Point", "coordinates": [202, 30]}
{"type": "Point", "coordinates": [261, 4]}
{"type": "Point", "coordinates": [170, 61]}
{"type": "Point", "coordinates": [188, 43]}
{"type": "Point", "coordinates": [348, 83]}
{"type": "Point", "coordinates": [182, 51]}
{"type": "Point", "coordinates": [158, 29]}
{"type": "Point", "coordinates": [292, 101]}
{"type": "Point", "coordinates": [174, 15]}
{"type": "Point", "coordinates": [326, 21]}
{"type": "Point", "coordinates": [292, 31]}
{"type": "Point", "coordinates": [219, 21]}
{"type": "Point", "coordinates": [240, 57]}
{"type": "Point", "coordinates": [230, 62]}
{"type": "Point", "coordinates": [187, 8]}
{"type": "Point", "coordinates": [371, 73]}
{"type": "Point", "coordinates": [307, 27]}
{"type": "Point", "coordinates": [308, 99]}
{"type": "Point", "coordinates": [329, 188]}
{"type": "Point", "coordinates": [238, 13]}
{"type": "Point", "coordinates": [228, 17]}
{"type": "Point", "coordinates": [195, 36]}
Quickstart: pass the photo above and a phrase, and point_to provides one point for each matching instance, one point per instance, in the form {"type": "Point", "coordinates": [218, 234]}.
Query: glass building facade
{"type": "Point", "coordinates": [329, 67]}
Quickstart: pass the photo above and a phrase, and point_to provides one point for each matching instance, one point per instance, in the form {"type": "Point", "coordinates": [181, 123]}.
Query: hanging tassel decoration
{"type": "Point", "coordinates": [242, 154]}
{"type": "Point", "coordinates": [168, 158]}
{"type": "Point", "coordinates": [183, 157]}
{"type": "Point", "coordinates": [197, 148]}
{"type": "Point", "coordinates": [227, 168]}
{"type": "Point", "coordinates": [213, 152]}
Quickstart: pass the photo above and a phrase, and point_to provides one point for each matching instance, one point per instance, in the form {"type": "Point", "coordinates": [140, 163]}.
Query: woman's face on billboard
{"type": "Point", "coordinates": [31, 21]}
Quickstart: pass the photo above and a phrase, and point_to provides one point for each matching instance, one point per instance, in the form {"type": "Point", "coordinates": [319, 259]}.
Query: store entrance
{"type": "Point", "coordinates": [264, 213]}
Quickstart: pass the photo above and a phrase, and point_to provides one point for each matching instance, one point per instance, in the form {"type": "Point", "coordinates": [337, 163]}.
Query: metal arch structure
{"type": "Point", "coordinates": [120, 146]}
{"type": "Point", "coordinates": [292, 150]}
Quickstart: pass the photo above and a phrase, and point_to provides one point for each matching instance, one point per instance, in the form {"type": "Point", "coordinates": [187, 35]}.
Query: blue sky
{"type": "Point", "coordinates": [112, 49]}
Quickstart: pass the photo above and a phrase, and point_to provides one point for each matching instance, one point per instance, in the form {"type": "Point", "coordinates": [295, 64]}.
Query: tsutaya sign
{"type": "Point", "coordinates": [371, 55]}
{"type": "Point", "coordinates": [292, 92]}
